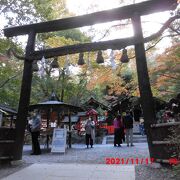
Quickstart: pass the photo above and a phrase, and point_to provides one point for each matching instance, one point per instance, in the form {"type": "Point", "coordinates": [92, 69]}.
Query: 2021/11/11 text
{"type": "Point", "coordinates": [137, 161]}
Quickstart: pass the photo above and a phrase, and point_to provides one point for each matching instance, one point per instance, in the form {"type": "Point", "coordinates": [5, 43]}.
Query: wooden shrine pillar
{"type": "Point", "coordinates": [24, 99]}
{"type": "Point", "coordinates": [47, 126]}
{"type": "Point", "coordinates": [70, 130]}
{"type": "Point", "coordinates": [143, 81]}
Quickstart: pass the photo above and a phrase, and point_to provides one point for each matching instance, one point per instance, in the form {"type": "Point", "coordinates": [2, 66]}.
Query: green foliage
{"type": "Point", "coordinates": [50, 9]}
{"type": "Point", "coordinates": [6, 44]}
{"type": "Point", "coordinates": [75, 35]}
{"type": "Point", "coordinates": [74, 88]}
{"type": "Point", "coordinates": [10, 81]}
{"type": "Point", "coordinates": [10, 75]}
{"type": "Point", "coordinates": [30, 11]}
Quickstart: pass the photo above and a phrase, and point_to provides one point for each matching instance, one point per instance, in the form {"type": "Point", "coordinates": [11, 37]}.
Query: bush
{"type": "Point", "coordinates": [174, 138]}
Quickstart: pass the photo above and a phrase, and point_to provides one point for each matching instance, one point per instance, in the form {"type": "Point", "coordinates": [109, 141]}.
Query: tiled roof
{"type": "Point", "coordinates": [8, 109]}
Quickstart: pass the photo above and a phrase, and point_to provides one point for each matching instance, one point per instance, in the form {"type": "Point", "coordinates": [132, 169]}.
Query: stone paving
{"type": "Point", "coordinates": [74, 171]}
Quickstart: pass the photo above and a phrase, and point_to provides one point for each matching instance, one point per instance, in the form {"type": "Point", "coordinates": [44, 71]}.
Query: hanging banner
{"type": "Point", "coordinates": [59, 140]}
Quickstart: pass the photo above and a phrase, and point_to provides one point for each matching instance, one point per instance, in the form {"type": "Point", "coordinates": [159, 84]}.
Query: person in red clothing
{"type": "Point", "coordinates": [118, 131]}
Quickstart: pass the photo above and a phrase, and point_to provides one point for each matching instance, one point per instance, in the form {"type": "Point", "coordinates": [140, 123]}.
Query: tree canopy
{"type": "Point", "coordinates": [88, 80]}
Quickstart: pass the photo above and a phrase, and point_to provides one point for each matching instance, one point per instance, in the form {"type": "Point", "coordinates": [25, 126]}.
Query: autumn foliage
{"type": "Point", "coordinates": [165, 75]}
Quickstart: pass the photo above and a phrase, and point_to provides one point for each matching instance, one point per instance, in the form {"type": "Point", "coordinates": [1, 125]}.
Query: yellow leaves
{"type": "Point", "coordinates": [170, 54]}
{"type": "Point", "coordinates": [168, 61]}
{"type": "Point", "coordinates": [59, 41]}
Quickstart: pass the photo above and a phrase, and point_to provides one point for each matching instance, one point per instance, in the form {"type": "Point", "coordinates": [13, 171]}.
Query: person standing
{"type": "Point", "coordinates": [137, 113]}
{"type": "Point", "coordinates": [118, 131]}
{"type": "Point", "coordinates": [35, 133]}
{"type": "Point", "coordinates": [141, 126]}
{"type": "Point", "coordinates": [90, 132]}
{"type": "Point", "coordinates": [128, 125]}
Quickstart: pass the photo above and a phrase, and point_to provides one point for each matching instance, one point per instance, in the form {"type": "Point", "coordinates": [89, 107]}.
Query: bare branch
{"type": "Point", "coordinates": [168, 91]}
{"type": "Point", "coordinates": [169, 76]}
{"type": "Point", "coordinates": [163, 28]}
{"type": "Point", "coordinates": [167, 24]}
{"type": "Point", "coordinates": [175, 30]}
{"type": "Point", "coordinates": [159, 33]}
{"type": "Point", "coordinates": [150, 47]}
{"type": "Point", "coordinates": [12, 51]}
{"type": "Point", "coordinates": [6, 81]}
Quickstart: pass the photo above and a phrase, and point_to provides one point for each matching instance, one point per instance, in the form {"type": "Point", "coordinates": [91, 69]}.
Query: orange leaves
{"type": "Point", "coordinates": [103, 77]}
{"type": "Point", "coordinates": [165, 75]}
{"type": "Point", "coordinates": [99, 77]}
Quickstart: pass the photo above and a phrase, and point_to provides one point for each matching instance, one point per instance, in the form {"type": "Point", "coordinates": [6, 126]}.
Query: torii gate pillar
{"type": "Point", "coordinates": [143, 81]}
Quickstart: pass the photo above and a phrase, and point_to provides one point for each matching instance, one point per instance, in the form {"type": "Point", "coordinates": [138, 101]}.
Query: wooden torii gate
{"type": "Point", "coordinates": [133, 12]}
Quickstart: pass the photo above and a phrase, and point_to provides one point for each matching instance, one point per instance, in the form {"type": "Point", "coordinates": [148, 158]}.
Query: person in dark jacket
{"type": "Point", "coordinates": [137, 113]}
{"type": "Point", "coordinates": [128, 125]}
{"type": "Point", "coordinates": [35, 133]}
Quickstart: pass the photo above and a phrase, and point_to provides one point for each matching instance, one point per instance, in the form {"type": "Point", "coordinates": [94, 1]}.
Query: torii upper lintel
{"type": "Point", "coordinates": [125, 12]}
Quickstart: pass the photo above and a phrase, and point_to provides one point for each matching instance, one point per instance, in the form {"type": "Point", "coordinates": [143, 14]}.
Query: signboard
{"type": "Point", "coordinates": [59, 140]}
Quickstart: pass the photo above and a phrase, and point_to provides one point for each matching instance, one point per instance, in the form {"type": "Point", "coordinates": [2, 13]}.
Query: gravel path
{"type": "Point", "coordinates": [80, 154]}
{"type": "Point", "coordinates": [96, 155]}
{"type": "Point", "coordinates": [151, 172]}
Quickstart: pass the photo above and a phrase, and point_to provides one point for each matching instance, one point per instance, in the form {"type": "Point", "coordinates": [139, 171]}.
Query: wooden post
{"type": "Point", "coordinates": [11, 123]}
{"type": "Point", "coordinates": [58, 122]}
{"type": "Point", "coordinates": [70, 138]}
{"type": "Point", "coordinates": [47, 126]}
{"type": "Point", "coordinates": [62, 91]}
{"type": "Point", "coordinates": [24, 99]}
{"type": "Point", "coordinates": [143, 80]}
